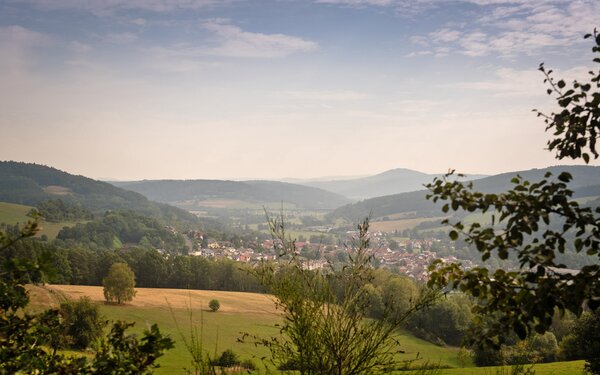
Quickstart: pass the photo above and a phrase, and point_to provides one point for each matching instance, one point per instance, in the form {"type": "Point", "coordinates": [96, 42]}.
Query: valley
{"type": "Point", "coordinates": [209, 245]}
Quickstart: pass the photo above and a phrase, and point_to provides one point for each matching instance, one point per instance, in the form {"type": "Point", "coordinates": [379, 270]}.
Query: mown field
{"type": "Point", "coordinates": [176, 311]}
{"type": "Point", "coordinates": [401, 224]}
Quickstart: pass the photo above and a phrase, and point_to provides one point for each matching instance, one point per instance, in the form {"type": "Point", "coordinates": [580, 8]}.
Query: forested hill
{"type": "Point", "coordinates": [394, 181]}
{"type": "Point", "coordinates": [32, 184]}
{"type": "Point", "coordinates": [586, 183]}
{"type": "Point", "coordinates": [176, 191]}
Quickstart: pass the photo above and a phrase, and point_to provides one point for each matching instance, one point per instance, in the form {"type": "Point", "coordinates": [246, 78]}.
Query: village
{"type": "Point", "coordinates": [410, 257]}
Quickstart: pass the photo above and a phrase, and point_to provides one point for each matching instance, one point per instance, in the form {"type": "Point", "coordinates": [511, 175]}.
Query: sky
{"type": "Point", "coordinates": [209, 89]}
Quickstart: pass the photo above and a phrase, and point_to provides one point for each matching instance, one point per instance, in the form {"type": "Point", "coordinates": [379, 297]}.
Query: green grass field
{"type": "Point", "coordinates": [556, 368]}
{"type": "Point", "coordinates": [241, 313]}
{"type": "Point", "coordinates": [401, 224]}
{"type": "Point", "coordinates": [220, 331]}
{"type": "Point", "coordinates": [11, 213]}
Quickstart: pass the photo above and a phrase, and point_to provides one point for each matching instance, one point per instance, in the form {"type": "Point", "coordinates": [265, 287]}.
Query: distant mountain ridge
{"type": "Point", "coordinates": [174, 191]}
{"type": "Point", "coordinates": [394, 181]}
{"type": "Point", "coordinates": [586, 183]}
{"type": "Point", "coordinates": [31, 184]}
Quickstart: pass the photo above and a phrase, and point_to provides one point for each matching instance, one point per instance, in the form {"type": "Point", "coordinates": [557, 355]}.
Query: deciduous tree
{"type": "Point", "coordinates": [119, 284]}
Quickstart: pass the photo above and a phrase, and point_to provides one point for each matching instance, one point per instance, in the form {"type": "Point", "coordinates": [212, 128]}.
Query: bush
{"type": "Point", "coordinates": [227, 359]}
{"type": "Point", "coordinates": [214, 305]}
{"type": "Point", "coordinates": [587, 338]}
{"type": "Point", "coordinates": [569, 350]}
{"type": "Point", "coordinates": [325, 329]}
{"type": "Point", "coordinates": [82, 323]}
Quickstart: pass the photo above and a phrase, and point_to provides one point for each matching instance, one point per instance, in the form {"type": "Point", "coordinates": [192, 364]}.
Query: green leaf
{"type": "Point", "coordinates": [520, 330]}
{"type": "Point", "coordinates": [586, 158]}
{"type": "Point", "coordinates": [565, 177]}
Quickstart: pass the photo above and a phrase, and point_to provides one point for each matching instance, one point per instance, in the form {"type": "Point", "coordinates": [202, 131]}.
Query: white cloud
{"type": "Point", "coordinates": [19, 35]}
{"type": "Point", "coordinates": [419, 40]}
{"type": "Point", "coordinates": [445, 35]}
{"type": "Point", "coordinates": [235, 42]}
{"type": "Point", "coordinates": [120, 38]}
{"type": "Point", "coordinates": [509, 82]}
{"type": "Point", "coordinates": [475, 44]}
{"type": "Point", "coordinates": [419, 53]}
{"type": "Point", "coordinates": [518, 83]}
{"type": "Point", "coordinates": [16, 44]}
{"type": "Point", "coordinates": [533, 26]}
{"type": "Point", "coordinates": [509, 28]}
{"type": "Point", "coordinates": [106, 7]}
{"type": "Point", "coordinates": [358, 3]}
{"type": "Point", "coordinates": [227, 41]}
{"type": "Point", "coordinates": [138, 21]}
{"type": "Point", "coordinates": [442, 51]}
{"type": "Point", "coordinates": [80, 47]}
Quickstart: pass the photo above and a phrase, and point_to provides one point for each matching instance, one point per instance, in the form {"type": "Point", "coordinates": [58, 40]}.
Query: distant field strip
{"type": "Point", "coordinates": [58, 190]}
{"type": "Point", "coordinates": [402, 224]}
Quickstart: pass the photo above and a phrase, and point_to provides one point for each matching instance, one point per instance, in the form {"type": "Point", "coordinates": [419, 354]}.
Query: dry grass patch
{"type": "Point", "coordinates": [393, 225]}
{"type": "Point", "coordinates": [231, 302]}
{"type": "Point", "coordinates": [58, 190]}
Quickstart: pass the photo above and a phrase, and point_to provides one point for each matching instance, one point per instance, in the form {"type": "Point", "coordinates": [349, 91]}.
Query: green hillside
{"type": "Point", "coordinates": [182, 192]}
{"type": "Point", "coordinates": [240, 313]}
{"type": "Point", "coordinates": [11, 213]}
{"type": "Point", "coordinates": [31, 184]}
{"type": "Point", "coordinates": [394, 181]}
{"type": "Point", "coordinates": [586, 183]}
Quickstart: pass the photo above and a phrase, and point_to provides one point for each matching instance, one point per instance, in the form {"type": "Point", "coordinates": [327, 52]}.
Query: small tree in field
{"type": "Point", "coordinates": [119, 284]}
{"type": "Point", "coordinates": [214, 305]}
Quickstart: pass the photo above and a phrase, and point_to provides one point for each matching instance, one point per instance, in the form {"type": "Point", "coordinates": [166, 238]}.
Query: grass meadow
{"type": "Point", "coordinates": [177, 311]}
{"type": "Point", "coordinates": [401, 224]}
{"type": "Point", "coordinates": [11, 213]}
{"type": "Point", "coordinates": [16, 213]}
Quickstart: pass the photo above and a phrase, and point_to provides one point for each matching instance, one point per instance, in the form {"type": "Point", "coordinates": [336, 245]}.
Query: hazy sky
{"type": "Point", "coordinates": [133, 89]}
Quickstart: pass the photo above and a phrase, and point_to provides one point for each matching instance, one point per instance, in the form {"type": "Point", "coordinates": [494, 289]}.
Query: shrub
{"type": "Point", "coordinates": [214, 305]}
{"type": "Point", "coordinates": [82, 323]}
{"type": "Point", "coordinates": [325, 328]}
{"type": "Point", "coordinates": [227, 359]}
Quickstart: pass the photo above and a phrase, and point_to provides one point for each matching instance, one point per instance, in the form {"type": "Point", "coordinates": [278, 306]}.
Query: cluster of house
{"type": "Point", "coordinates": [414, 264]}
{"type": "Point", "coordinates": [410, 258]}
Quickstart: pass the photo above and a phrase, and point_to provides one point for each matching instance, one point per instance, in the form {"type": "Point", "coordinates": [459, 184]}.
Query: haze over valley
{"type": "Point", "coordinates": [346, 187]}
